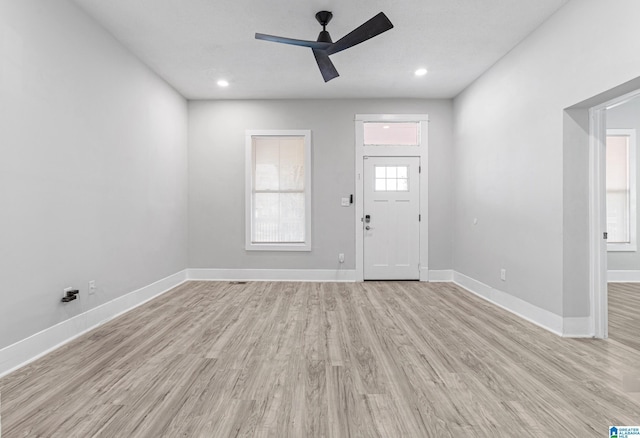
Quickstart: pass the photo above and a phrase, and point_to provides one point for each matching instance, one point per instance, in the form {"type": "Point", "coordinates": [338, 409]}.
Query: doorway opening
{"type": "Point", "coordinates": [391, 202]}
{"type": "Point", "coordinates": [612, 201]}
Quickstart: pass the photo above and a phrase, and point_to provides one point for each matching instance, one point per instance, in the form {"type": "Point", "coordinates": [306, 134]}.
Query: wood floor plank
{"type": "Point", "coordinates": [373, 359]}
{"type": "Point", "coordinates": [624, 313]}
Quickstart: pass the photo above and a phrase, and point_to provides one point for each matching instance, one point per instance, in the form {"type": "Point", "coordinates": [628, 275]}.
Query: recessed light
{"type": "Point", "coordinates": [421, 72]}
{"type": "Point", "coordinates": [223, 83]}
{"type": "Point", "coordinates": [385, 127]}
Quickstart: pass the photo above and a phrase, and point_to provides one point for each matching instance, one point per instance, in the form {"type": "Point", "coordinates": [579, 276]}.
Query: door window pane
{"type": "Point", "coordinates": [391, 178]}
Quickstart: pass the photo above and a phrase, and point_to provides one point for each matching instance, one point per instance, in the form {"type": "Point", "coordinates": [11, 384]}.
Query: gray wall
{"type": "Point", "coordinates": [513, 169]}
{"type": "Point", "coordinates": [626, 116]}
{"type": "Point", "coordinates": [93, 182]}
{"type": "Point", "coordinates": [216, 178]}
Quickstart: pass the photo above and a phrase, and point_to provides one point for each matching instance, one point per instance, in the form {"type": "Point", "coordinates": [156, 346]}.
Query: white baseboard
{"type": "Point", "coordinates": [27, 350]}
{"type": "Point", "coordinates": [341, 275]}
{"type": "Point", "coordinates": [623, 276]}
{"type": "Point", "coordinates": [445, 275]}
{"type": "Point", "coordinates": [540, 317]}
{"type": "Point", "coordinates": [579, 327]}
{"type": "Point", "coordinates": [22, 352]}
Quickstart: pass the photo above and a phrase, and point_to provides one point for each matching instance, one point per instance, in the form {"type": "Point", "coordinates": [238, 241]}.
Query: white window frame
{"type": "Point", "coordinates": [632, 245]}
{"type": "Point", "coordinates": [249, 245]}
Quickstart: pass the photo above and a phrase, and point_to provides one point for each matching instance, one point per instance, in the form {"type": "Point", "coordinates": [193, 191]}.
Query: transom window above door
{"type": "Point", "coordinates": [391, 133]}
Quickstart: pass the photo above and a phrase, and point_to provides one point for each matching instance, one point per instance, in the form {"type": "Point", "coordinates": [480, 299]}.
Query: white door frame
{"type": "Point", "coordinates": [392, 151]}
{"type": "Point", "coordinates": [597, 221]}
{"type": "Point", "coordinates": [597, 213]}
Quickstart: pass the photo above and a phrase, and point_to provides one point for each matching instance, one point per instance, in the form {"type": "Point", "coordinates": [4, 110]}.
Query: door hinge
{"type": "Point", "coordinates": [419, 169]}
{"type": "Point", "coordinates": [419, 218]}
{"type": "Point", "coordinates": [605, 235]}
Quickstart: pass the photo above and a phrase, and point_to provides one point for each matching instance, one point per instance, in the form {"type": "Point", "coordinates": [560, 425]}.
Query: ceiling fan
{"type": "Point", "coordinates": [324, 46]}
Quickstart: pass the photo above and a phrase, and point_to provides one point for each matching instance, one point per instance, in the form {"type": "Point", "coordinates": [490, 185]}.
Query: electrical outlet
{"type": "Point", "coordinates": [503, 274]}
{"type": "Point", "coordinates": [341, 258]}
{"type": "Point", "coordinates": [92, 287]}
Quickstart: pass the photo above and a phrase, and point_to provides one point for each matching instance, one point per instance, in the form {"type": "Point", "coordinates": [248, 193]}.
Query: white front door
{"type": "Point", "coordinates": [391, 223]}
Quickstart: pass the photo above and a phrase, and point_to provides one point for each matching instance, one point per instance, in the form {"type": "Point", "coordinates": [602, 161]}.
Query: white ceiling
{"type": "Point", "coordinates": [193, 43]}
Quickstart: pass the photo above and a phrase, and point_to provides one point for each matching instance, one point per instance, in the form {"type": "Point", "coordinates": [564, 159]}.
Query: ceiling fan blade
{"type": "Point", "coordinates": [377, 25]}
{"type": "Point", "coordinates": [327, 68]}
{"type": "Point", "coordinates": [303, 43]}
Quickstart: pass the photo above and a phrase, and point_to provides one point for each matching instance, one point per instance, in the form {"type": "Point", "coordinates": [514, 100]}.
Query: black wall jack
{"type": "Point", "coordinates": [71, 295]}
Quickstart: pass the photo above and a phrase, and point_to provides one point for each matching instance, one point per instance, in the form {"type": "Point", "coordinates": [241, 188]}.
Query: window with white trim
{"type": "Point", "coordinates": [621, 190]}
{"type": "Point", "coordinates": [278, 190]}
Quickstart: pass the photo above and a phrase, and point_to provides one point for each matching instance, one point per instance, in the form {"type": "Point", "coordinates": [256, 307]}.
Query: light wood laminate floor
{"type": "Point", "coordinates": [375, 359]}
{"type": "Point", "coordinates": [624, 313]}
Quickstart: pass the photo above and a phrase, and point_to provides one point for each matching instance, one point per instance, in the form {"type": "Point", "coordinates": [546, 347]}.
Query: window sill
{"type": "Point", "coordinates": [621, 247]}
{"type": "Point", "coordinates": [278, 247]}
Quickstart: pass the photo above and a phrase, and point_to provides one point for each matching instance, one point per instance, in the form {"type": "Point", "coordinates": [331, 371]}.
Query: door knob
{"type": "Point", "coordinates": [367, 227]}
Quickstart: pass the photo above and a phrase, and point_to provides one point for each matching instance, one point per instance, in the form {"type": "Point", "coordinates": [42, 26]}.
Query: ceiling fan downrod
{"type": "Point", "coordinates": [324, 17]}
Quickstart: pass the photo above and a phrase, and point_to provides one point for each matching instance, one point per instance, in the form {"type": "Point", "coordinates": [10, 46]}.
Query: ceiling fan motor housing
{"type": "Point", "coordinates": [324, 37]}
